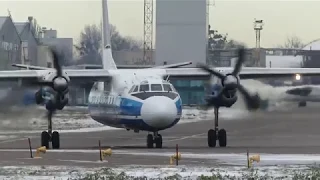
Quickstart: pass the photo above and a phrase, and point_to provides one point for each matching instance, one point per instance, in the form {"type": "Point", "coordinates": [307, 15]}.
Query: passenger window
{"type": "Point", "coordinates": [166, 87]}
{"type": "Point", "coordinates": [136, 89]}
{"type": "Point", "coordinates": [156, 87]}
{"type": "Point", "coordinates": [144, 87]}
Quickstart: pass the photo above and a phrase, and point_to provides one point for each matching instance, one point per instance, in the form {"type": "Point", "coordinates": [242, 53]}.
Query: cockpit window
{"type": "Point", "coordinates": [144, 87]}
{"type": "Point", "coordinates": [166, 87]}
{"type": "Point", "coordinates": [136, 89]}
{"type": "Point", "coordinates": [156, 87]}
{"type": "Point", "coordinates": [174, 90]}
{"type": "Point", "coordinates": [131, 89]}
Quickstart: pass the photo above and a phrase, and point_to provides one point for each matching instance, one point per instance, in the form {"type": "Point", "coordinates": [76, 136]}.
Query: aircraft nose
{"type": "Point", "coordinates": [159, 111]}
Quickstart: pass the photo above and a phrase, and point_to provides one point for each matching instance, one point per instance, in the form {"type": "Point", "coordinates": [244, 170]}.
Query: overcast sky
{"type": "Point", "coordinates": [282, 18]}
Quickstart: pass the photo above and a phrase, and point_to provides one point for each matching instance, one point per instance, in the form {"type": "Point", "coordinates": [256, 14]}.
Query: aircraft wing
{"type": "Point", "coordinates": [245, 73]}
{"type": "Point", "coordinates": [302, 94]}
{"type": "Point", "coordinates": [118, 66]}
{"type": "Point", "coordinates": [300, 91]}
{"type": "Point", "coordinates": [30, 67]}
{"type": "Point", "coordinates": [86, 75]}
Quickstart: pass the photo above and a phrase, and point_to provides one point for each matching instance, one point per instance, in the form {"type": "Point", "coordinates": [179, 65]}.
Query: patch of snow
{"type": "Point", "coordinates": [147, 172]}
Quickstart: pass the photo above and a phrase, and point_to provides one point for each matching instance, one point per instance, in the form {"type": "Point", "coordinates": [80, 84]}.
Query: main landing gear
{"type": "Point", "coordinates": [216, 134]}
{"type": "Point", "coordinates": [156, 138]}
{"type": "Point", "coordinates": [49, 136]}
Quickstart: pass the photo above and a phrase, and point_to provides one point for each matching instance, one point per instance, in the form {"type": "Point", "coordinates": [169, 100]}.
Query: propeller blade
{"type": "Point", "coordinates": [240, 61]}
{"type": "Point", "coordinates": [56, 62]}
{"type": "Point", "coordinates": [213, 72]}
{"type": "Point", "coordinates": [252, 101]}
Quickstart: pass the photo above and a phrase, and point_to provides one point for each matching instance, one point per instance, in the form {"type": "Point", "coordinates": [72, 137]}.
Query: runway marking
{"type": "Point", "coordinates": [204, 155]}
{"type": "Point", "coordinates": [13, 140]}
{"type": "Point", "coordinates": [230, 158]}
{"type": "Point", "coordinates": [186, 137]}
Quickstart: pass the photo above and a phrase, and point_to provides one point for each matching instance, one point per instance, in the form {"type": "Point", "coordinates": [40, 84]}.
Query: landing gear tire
{"type": "Point", "coordinates": [216, 134]}
{"type": "Point", "coordinates": [212, 138]}
{"type": "Point", "coordinates": [222, 136]}
{"type": "Point", "coordinates": [158, 141]}
{"type": "Point", "coordinates": [154, 139]}
{"type": "Point", "coordinates": [45, 139]}
{"type": "Point", "coordinates": [150, 141]}
{"type": "Point", "coordinates": [55, 140]}
{"type": "Point", "coordinates": [49, 136]}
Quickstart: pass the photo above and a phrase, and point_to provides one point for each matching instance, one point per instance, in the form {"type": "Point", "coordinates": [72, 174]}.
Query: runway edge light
{"type": "Point", "coordinates": [254, 158]}
{"type": "Point", "coordinates": [176, 156]}
{"type": "Point", "coordinates": [104, 153]}
{"type": "Point", "coordinates": [41, 149]}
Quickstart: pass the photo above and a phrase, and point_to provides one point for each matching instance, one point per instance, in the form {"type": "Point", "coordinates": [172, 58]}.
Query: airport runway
{"type": "Point", "coordinates": [274, 135]}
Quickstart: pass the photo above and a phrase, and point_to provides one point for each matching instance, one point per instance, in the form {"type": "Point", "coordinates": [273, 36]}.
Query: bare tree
{"type": "Point", "coordinates": [234, 44]}
{"type": "Point", "coordinates": [89, 46]}
{"type": "Point", "coordinates": [220, 41]}
{"type": "Point", "coordinates": [292, 42]}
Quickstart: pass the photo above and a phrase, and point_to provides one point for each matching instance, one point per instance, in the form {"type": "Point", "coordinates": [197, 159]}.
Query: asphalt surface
{"type": "Point", "coordinates": [291, 132]}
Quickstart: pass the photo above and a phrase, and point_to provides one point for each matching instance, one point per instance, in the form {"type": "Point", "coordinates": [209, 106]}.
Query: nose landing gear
{"type": "Point", "coordinates": [156, 139]}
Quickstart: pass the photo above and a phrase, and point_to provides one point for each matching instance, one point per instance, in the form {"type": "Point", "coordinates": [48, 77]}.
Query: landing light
{"type": "Point", "coordinates": [298, 77]}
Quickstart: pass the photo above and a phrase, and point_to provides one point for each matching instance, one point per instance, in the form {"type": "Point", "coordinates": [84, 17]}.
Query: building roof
{"type": "Point", "coordinates": [20, 26]}
{"type": "Point", "coordinates": [3, 19]}
{"type": "Point", "coordinates": [313, 45]}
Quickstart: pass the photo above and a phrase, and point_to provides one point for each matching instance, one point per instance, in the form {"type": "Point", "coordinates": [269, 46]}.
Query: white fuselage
{"type": "Point", "coordinates": [135, 99]}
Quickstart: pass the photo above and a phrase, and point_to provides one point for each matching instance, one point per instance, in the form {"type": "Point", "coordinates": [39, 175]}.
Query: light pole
{"type": "Point", "coordinates": [258, 26]}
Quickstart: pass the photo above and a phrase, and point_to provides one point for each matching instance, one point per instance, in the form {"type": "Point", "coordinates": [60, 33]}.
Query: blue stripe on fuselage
{"type": "Point", "coordinates": [131, 109]}
{"type": "Point", "coordinates": [179, 106]}
{"type": "Point", "coordinates": [127, 107]}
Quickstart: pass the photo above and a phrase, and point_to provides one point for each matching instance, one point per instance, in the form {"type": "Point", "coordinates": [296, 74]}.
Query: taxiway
{"type": "Point", "coordinates": [279, 137]}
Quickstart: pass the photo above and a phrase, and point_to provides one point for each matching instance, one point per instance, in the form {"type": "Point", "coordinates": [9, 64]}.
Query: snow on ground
{"type": "Point", "coordinates": [146, 172]}
{"type": "Point", "coordinates": [80, 121]}
{"type": "Point", "coordinates": [77, 119]}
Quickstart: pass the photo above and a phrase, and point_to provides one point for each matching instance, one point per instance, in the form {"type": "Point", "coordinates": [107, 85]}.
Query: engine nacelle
{"type": "Point", "coordinates": [229, 97]}
{"type": "Point", "coordinates": [51, 99]}
{"type": "Point", "coordinates": [230, 82]}
{"type": "Point", "coordinates": [221, 97]}
{"type": "Point", "coordinates": [62, 102]}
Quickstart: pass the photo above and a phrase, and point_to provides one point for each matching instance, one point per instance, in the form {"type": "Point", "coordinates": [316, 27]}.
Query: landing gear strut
{"type": "Point", "coordinates": [216, 134]}
{"type": "Point", "coordinates": [156, 138]}
{"type": "Point", "coordinates": [48, 136]}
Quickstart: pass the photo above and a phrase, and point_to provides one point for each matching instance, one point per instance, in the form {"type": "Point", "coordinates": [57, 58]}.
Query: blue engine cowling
{"type": "Point", "coordinates": [49, 97]}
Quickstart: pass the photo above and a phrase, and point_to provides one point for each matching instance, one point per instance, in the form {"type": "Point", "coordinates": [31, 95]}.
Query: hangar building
{"type": "Point", "coordinates": [9, 43]}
